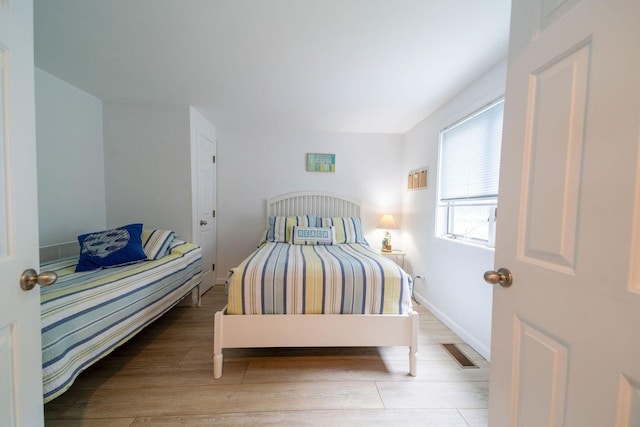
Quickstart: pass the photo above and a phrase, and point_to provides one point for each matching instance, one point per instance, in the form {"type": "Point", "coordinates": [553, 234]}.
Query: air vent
{"type": "Point", "coordinates": [459, 356]}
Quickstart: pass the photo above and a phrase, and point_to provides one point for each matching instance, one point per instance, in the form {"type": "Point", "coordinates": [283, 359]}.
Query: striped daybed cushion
{"type": "Point", "coordinates": [282, 278]}
{"type": "Point", "coordinates": [86, 315]}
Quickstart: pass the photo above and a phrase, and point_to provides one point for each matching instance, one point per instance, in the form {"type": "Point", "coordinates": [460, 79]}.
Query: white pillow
{"type": "Point", "coordinates": [313, 235]}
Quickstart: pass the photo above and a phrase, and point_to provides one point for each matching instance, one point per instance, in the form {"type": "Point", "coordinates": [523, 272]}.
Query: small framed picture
{"type": "Point", "coordinates": [418, 179]}
{"type": "Point", "coordinates": [321, 162]}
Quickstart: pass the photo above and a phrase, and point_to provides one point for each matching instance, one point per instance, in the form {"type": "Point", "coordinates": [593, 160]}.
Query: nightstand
{"type": "Point", "coordinates": [396, 256]}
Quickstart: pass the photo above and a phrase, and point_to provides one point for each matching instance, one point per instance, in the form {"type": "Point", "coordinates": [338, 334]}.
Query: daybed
{"type": "Point", "coordinates": [88, 314]}
{"type": "Point", "coordinates": [312, 293]}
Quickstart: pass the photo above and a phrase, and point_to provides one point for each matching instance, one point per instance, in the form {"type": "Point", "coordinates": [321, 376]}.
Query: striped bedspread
{"type": "Point", "coordinates": [280, 278]}
{"type": "Point", "coordinates": [87, 315]}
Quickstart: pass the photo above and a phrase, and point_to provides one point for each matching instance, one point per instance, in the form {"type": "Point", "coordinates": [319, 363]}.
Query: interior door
{"type": "Point", "coordinates": [20, 356]}
{"type": "Point", "coordinates": [565, 342]}
{"type": "Point", "coordinates": [205, 227]}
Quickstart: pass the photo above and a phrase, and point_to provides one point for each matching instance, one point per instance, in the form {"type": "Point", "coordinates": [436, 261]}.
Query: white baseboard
{"type": "Point", "coordinates": [482, 349]}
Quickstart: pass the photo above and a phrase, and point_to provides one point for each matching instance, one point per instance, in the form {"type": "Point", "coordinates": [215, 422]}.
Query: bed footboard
{"type": "Point", "coordinates": [310, 330]}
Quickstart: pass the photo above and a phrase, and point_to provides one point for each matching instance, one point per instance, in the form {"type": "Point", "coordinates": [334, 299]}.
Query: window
{"type": "Point", "coordinates": [469, 172]}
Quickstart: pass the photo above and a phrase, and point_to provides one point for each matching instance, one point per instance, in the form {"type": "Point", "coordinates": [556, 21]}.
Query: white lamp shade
{"type": "Point", "coordinates": [387, 222]}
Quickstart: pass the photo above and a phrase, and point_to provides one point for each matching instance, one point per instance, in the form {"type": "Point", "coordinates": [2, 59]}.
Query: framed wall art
{"type": "Point", "coordinates": [321, 162]}
{"type": "Point", "coordinates": [418, 179]}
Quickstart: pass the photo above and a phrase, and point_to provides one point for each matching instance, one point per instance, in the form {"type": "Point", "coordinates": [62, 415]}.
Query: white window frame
{"type": "Point", "coordinates": [445, 224]}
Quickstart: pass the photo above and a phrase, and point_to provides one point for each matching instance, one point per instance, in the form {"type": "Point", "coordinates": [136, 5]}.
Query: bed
{"type": "Point", "coordinates": [88, 314]}
{"type": "Point", "coordinates": [360, 298]}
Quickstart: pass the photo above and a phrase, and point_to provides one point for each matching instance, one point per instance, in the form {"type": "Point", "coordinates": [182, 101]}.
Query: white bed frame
{"type": "Point", "coordinates": [313, 330]}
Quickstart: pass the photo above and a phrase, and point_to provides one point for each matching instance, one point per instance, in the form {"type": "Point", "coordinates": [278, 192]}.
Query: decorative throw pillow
{"type": "Point", "coordinates": [347, 229]}
{"type": "Point", "coordinates": [280, 226]}
{"type": "Point", "coordinates": [312, 235]}
{"type": "Point", "coordinates": [155, 243]}
{"type": "Point", "coordinates": [111, 248]}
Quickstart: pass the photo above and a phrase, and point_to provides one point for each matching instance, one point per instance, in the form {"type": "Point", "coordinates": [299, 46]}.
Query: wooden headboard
{"type": "Point", "coordinates": [312, 202]}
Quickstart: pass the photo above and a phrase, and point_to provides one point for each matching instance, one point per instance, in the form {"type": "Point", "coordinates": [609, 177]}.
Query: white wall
{"type": "Point", "coordinates": [255, 164]}
{"type": "Point", "coordinates": [148, 166]}
{"type": "Point", "coordinates": [71, 193]}
{"type": "Point", "coordinates": [453, 287]}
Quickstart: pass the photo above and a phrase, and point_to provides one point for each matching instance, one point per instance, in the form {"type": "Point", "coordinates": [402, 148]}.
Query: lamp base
{"type": "Point", "coordinates": [386, 242]}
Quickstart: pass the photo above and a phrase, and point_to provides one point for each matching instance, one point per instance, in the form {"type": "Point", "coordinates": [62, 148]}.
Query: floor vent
{"type": "Point", "coordinates": [459, 356]}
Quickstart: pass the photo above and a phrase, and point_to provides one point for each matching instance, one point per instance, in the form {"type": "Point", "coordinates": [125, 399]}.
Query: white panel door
{"type": "Point", "coordinates": [20, 354]}
{"type": "Point", "coordinates": [565, 341]}
{"type": "Point", "coordinates": [204, 146]}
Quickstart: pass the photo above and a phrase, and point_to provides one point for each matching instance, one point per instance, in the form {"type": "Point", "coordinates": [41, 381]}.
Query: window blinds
{"type": "Point", "coordinates": [470, 156]}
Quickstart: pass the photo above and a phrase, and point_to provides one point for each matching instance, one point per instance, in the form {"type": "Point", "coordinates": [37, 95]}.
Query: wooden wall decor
{"type": "Point", "coordinates": [418, 179]}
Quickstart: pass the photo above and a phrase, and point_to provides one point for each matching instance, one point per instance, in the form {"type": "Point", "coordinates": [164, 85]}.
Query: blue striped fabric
{"type": "Point", "coordinates": [280, 278]}
{"type": "Point", "coordinates": [347, 229]}
{"type": "Point", "coordinates": [279, 229]}
{"type": "Point", "coordinates": [87, 315]}
{"type": "Point", "coordinates": [155, 243]}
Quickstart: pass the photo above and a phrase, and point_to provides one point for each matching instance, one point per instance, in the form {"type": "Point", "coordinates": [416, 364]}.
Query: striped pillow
{"type": "Point", "coordinates": [155, 243]}
{"type": "Point", "coordinates": [347, 229]}
{"type": "Point", "coordinates": [280, 226]}
{"type": "Point", "coordinates": [312, 235]}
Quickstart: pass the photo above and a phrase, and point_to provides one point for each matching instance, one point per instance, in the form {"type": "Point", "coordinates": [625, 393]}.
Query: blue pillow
{"type": "Point", "coordinates": [111, 248]}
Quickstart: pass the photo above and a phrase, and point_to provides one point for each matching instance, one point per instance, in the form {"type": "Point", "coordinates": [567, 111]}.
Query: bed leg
{"type": "Point", "coordinates": [217, 345]}
{"type": "Point", "coordinates": [413, 362]}
{"type": "Point", "coordinates": [413, 348]}
{"type": "Point", "coordinates": [195, 296]}
{"type": "Point", "coordinates": [217, 366]}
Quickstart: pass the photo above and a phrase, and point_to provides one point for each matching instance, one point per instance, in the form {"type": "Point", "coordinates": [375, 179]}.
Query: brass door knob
{"type": "Point", "coordinates": [30, 278]}
{"type": "Point", "coordinates": [503, 277]}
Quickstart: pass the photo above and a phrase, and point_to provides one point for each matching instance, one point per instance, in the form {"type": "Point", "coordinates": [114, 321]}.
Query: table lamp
{"type": "Point", "coordinates": [387, 223]}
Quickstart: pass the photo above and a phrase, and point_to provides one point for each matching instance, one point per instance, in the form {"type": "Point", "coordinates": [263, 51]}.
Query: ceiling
{"type": "Point", "coordinates": [371, 66]}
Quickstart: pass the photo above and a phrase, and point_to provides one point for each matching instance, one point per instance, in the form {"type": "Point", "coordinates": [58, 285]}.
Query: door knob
{"type": "Point", "coordinates": [29, 278]}
{"type": "Point", "coordinates": [502, 276]}
{"type": "Point", "coordinates": [203, 222]}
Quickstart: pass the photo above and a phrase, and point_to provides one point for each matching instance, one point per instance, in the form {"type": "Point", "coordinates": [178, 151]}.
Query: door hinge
{"type": "Point", "coordinates": [213, 267]}
{"type": "Point", "coordinates": [213, 214]}
{"type": "Point", "coordinates": [214, 159]}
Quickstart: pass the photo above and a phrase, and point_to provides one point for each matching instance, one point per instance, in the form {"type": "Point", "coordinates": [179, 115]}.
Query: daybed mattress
{"type": "Point", "coordinates": [281, 278]}
{"type": "Point", "coordinates": [87, 315]}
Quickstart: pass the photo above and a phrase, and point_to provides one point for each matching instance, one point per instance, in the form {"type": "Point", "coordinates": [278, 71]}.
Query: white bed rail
{"type": "Point", "coordinates": [311, 330]}
{"type": "Point", "coordinates": [59, 250]}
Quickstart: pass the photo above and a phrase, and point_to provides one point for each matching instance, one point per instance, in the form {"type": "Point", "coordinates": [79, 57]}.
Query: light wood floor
{"type": "Point", "coordinates": [164, 377]}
